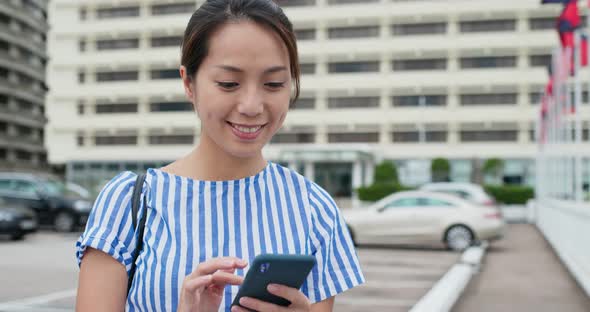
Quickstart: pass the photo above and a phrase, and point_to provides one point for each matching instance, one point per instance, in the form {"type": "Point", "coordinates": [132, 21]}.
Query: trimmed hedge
{"type": "Point", "coordinates": [510, 194]}
{"type": "Point", "coordinates": [376, 192]}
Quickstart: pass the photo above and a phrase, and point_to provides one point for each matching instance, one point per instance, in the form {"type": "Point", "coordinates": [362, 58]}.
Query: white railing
{"type": "Point", "coordinates": [562, 207]}
{"type": "Point", "coordinates": [566, 226]}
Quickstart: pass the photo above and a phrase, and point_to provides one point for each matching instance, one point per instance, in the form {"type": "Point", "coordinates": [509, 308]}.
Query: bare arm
{"type": "Point", "coordinates": [102, 283]}
{"type": "Point", "coordinates": [324, 306]}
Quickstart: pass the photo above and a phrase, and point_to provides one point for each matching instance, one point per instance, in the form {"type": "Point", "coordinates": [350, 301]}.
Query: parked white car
{"type": "Point", "coordinates": [470, 191]}
{"type": "Point", "coordinates": [421, 217]}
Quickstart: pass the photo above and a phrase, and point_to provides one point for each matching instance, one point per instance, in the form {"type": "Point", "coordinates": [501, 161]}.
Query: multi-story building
{"type": "Point", "coordinates": [382, 79]}
{"type": "Point", "coordinates": [23, 28]}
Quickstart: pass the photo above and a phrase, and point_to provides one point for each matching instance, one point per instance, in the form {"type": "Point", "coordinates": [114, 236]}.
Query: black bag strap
{"type": "Point", "coordinates": [134, 210]}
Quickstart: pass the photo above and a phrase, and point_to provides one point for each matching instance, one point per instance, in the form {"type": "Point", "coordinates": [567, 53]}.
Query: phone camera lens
{"type": "Point", "coordinates": [264, 267]}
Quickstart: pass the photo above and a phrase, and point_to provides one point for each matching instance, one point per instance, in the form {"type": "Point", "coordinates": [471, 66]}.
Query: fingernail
{"type": "Point", "coordinates": [273, 287]}
{"type": "Point", "coordinates": [244, 301]}
{"type": "Point", "coordinates": [242, 262]}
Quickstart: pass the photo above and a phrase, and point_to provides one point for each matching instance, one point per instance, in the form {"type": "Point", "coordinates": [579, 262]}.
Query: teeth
{"type": "Point", "coordinates": [246, 129]}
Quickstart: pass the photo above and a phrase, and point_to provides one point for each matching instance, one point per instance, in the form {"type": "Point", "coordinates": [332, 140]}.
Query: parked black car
{"type": "Point", "coordinates": [16, 221]}
{"type": "Point", "coordinates": [48, 197]}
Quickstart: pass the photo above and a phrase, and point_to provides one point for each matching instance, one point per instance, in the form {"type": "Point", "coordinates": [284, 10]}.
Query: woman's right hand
{"type": "Point", "coordinates": [202, 290]}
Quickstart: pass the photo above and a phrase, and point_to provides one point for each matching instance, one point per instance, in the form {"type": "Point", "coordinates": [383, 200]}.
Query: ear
{"type": "Point", "coordinates": [187, 82]}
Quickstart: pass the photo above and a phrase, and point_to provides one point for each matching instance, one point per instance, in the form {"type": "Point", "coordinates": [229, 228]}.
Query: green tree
{"type": "Point", "coordinates": [385, 172]}
{"type": "Point", "coordinates": [440, 168]}
{"type": "Point", "coordinates": [494, 167]}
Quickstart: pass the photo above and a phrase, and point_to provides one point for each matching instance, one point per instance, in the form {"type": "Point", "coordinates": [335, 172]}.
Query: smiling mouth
{"type": "Point", "coordinates": [245, 128]}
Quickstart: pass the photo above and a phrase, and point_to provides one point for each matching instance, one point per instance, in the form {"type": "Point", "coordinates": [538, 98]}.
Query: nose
{"type": "Point", "coordinates": [251, 104]}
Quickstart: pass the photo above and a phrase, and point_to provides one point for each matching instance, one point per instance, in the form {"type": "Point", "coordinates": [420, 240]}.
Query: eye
{"type": "Point", "coordinates": [275, 85]}
{"type": "Point", "coordinates": [227, 84]}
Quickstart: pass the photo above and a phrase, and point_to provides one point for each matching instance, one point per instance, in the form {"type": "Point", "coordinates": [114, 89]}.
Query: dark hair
{"type": "Point", "coordinates": [214, 13]}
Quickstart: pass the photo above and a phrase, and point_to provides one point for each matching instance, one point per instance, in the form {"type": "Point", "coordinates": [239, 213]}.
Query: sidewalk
{"type": "Point", "coordinates": [522, 273]}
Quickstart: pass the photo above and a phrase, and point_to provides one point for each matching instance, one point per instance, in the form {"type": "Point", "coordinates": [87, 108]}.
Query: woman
{"type": "Point", "coordinates": [212, 211]}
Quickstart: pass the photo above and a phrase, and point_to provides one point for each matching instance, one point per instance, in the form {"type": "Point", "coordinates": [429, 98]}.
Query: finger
{"type": "Point", "coordinates": [294, 295]}
{"type": "Point", "coordinates": [259, 305]}
{"type": "Point", "coordinates": [238, 309]}
{"type": "Point", "coordinates": [223, 278]}
{"type": "Point", "coordinates": [192, 284]}
{"type": "Point", "coordinates": [225, 263]}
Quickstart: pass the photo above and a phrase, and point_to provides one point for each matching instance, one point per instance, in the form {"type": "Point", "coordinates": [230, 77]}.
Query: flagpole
{"type": "Point", "coordinates": [578, 190]}
{"type": "Point", "coordinates": [554, 109]}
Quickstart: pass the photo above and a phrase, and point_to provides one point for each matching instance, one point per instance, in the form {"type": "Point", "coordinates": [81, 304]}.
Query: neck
{"type": "Point", "coordinates": [208, 162]}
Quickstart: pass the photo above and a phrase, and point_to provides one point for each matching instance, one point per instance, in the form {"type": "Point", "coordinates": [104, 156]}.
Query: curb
{"type": "Point", "coordinates": [445, 293]}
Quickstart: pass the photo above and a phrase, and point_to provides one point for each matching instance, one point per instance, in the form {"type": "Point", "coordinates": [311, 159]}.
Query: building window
{"type": "Point", "coordinates": [487, 26]}
{"type": "Point", "coordinates": [116, 108]}
{"type": "Point", "coordinates": [82, 14]}
{"type": "Point", "coordinates": [24, 155]}
{"type": "Point", "coordinates": [304, 103]}
{"type": "Point", "coordinates": [121, 12]}
{"type": "Point", "coordinates": [413, 136]}
{"type": "Point", "coordinates": [80, 109]}
{"type": "Point", "coordinates": [489, 99]}
{"type": "Point", "coordinates": [535, 97]}
{"type": "Point", "coordinates": [354, 137]}
{"type": "Point", "coordinates": [419, 100]}
{"type": "Point", "coordinates": [173, 8]}
{"type": "Point", "coordinates": [173, 139]}
{"type": "Point", "coordinates": [293, 3]}
{"type": "Point", "coordinates": [166, 41]}
{"type": "Point", "coordinates": [489, 136]}
{"type": "Point", "coordinates": [115, 140]}
{"type": "Point", "coordinates": [418, 29]}
{"type": "Point", "coordinates": [117, 76]}
{"type": "Point", "coordinates": [422, 64]}
{"type": "Point", "coordinates": [307, 69]}
{"type": "Point", "coordinates": [81, 77]}
{"type": "Point", "coordinates": [353, 102]}
{"type": "Point", "coordinates": [488, 62]}
{"type": "Point", "coordinates": [542, 23]}
{"type": "Point", "coordinates": [165, 74]}
{"type": "Point", "coordinates": [543, 60]}
{"type": "Point", "coordinates": [405, 136]}
{"type": "Point", "coordinates": [305, 34]}
{"type": "Point", "coordinates": [353, 32]}
{"type": "Point", "coordinates": [80, 140]}
{"type": "Point", "coordinates": [82, 45]}
{"type": "Point", "coordinates": [353, 67]}
{"type": "Point", "coordinates": [117, 44]}
{"type": "Point", "coordinates": [292, 138]}
{"type": "Point", "coordinates": [171, 107]}
{"type": "Point", "coordinates": [584, 96]}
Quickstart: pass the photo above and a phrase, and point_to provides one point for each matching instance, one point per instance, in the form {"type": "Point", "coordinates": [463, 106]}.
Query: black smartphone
{"type": "Point", "coordinates": [282, 269]}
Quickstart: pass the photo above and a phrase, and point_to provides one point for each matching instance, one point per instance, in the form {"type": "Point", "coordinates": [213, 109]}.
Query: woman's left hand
{"type": "Point", "coordinates": [299, 301]}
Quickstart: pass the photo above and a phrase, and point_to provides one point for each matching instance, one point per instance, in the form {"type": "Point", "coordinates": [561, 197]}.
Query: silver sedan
{"type": "Point", "coordinates": [422, 217]}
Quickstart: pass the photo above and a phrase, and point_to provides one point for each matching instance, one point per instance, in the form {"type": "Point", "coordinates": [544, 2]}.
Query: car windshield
{"type": "Point", "coordinates": [54, 187]}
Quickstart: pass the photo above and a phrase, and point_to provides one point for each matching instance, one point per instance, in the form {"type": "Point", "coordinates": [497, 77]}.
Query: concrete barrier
{"type": "Point", "coordinates": [445, 293]}
{"type": "Point", "coordinates": [566, 226]}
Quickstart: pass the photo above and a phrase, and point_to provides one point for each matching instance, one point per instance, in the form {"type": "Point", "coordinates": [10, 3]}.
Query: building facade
{"type": "Point", "coordinates": [406, 81]}
{"type": "Point", "coordinates": [23, 58]}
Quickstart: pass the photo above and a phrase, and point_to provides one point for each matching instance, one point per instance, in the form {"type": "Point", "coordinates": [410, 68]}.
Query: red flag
{"type": "Point", "coordinates": [567, 22]}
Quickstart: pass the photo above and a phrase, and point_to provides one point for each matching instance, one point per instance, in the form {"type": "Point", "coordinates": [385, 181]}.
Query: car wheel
{"type": "Point", "coordinates": [17, 236]}
{"type": "Point", "coordinates": [458, 237]}
{"type": "Point", "coordinates": [64, 222]}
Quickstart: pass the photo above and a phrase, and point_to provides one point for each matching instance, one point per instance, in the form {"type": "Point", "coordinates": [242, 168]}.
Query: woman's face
{"type": "Point", "coordinates": [242, 89]}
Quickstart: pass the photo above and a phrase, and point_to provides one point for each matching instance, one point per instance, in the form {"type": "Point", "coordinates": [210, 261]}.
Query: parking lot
{"type": "Point", "coordinates": [40, 274]}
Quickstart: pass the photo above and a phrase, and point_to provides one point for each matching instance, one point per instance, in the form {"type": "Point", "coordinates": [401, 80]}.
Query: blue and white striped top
{"type": "Point", "coordinates": [190, 221]}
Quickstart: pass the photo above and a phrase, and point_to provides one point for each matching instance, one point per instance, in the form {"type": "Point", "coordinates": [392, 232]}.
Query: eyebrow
{"type": "Point", "coordinates": [270, 70]}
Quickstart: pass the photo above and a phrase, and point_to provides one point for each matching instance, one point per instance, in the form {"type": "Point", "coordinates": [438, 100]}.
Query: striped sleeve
{"type": "Point", "coordinates": [338, 268]}
{"type": "Point", "coordinates": [109, 227]}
